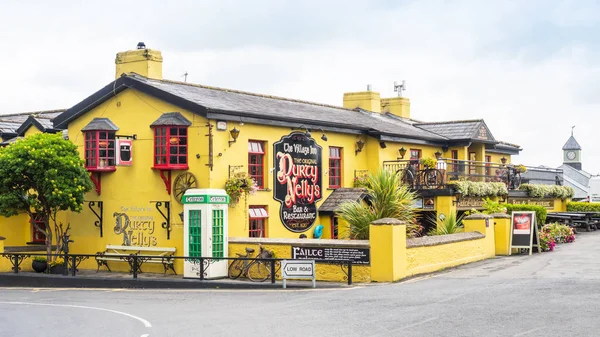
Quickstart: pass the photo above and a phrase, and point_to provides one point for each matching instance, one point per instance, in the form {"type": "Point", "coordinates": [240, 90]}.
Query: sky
{"type": "Point", "coordinates": [529, 68]}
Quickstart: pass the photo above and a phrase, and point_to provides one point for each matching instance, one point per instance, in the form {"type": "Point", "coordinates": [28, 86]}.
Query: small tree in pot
{"type": "Point", "coordinates": [42, 175]}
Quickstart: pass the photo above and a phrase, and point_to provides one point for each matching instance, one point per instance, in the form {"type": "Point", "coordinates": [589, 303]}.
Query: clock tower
{"type": "Point", "coordinates": [572, 153]}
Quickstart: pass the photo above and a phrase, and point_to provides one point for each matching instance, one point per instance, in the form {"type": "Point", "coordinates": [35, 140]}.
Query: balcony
{"type": "Point", "coordinates": [446, 171]}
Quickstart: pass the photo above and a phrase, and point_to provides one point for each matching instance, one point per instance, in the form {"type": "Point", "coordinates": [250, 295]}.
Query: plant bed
{"type": "Point", "coordinates": [58, 269]}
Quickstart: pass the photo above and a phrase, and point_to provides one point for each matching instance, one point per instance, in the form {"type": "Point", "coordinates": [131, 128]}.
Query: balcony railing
{"type": "Point", "coordinates": [449, 170]}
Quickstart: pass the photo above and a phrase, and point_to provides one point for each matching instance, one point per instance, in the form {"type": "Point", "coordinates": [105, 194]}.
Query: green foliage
{"type": "Point", "coordinates": [480, 189]}
{"type": "Point", "coordinates": [387, 198]}
{"type": "Point", "coordinates": [559, 232]}
{"type": "Point", "coordinates": [583, 207]}
{"type": "Point", "coordinates": [57, 262]}
{"type": "Point", "coordinates": [39, 259]}
{"type": "Point", "coordinates": [490, 207]}
{"type": "Point", "coordinates": [450, 225]}
{"type": "Point", "coordinates": [428, 162]}
{"type": "Point", "coordinates": [552, 191]}
{"type": "Point", "coordinates": [361, 180]}
{"type": "Point", "coordinates": [521, 168]}
{"type": "Point", "coordinates": [540, 212]}
{"type": "Point", "coordinates": [239, 185]}
{"type": "Point", "coordinates": [42, 174]}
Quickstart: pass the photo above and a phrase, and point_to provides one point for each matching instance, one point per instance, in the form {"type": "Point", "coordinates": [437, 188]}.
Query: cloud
{"type": "Point", "coordinates": [529, 68]}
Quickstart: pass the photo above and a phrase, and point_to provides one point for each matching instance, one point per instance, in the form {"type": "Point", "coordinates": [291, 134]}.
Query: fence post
{"type": "Point", "coordinates": [349, 272]}
{"type": "Point", "coordinates": [135, 266]}
{"type": "Point", "coordinates": [273, 271]}
{"type": "Point", "coordinates": [201, 269]}
{"type": "Point", "coordinates": [73, 269]}
{"type": "Point", "coordinates": [66, 263]}
{"type": "Point", "coordinates": [16, 263]}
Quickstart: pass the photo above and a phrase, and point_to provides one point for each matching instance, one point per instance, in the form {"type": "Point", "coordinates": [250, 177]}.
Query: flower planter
{"type": "Point", "coordinates": [58, 269]}
{"type": "Point", "coordinates": [39, 266]}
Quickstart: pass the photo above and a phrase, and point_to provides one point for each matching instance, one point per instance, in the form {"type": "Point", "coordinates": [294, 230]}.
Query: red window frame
{"type": "Point", "coordinates": [171, 147]}
{"type": "Point", "coordinates": [258, 225]}
{"type": "Point", "coordinates": [37, 236]}
{"type": "Point", "coordinates": [415, 154]}
{"type": "Point", "coordinates": [99, 149]}
{"type": "Point", "coordinates": [256, 162]}
{"type": "Point", "coordinates": [335, 227]}
{"type": "Point", "coordinates": [335, 167]}
{"type": "Point", "coordinates": [455, 165]}
{"type": "Point", "coordinates": [488, 169]}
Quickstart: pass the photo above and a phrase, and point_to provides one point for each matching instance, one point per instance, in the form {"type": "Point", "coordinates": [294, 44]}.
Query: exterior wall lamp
{"type": "Point", "coordinates": [323, 137]}
{"type": "Point", "coordinates": [444, 148]}
{"type": "Point", "coordinates": [438, 155]}
{"type": "Point", "coordinates": [359, 146]}
{"type": "Point", "coordinates": [503, 160]}
{"type": "Point", "coordinates": [234, 133]}
{"type": "Point", "coordinates": [382, 145]}
{"type": "Point", "coordinates": [402, 152]}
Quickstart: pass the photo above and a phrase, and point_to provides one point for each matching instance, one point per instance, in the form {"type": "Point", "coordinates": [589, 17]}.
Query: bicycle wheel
{"type": "Point", "coordinates": [259, 272]}
{"type": "Point", "coordinates": [408, 178]}
{"type": "Point", "coordinates": [433, 178]}
{"type": "Point", "coordinates": [236, 268]}
{"type": "Point", "coordinates": [516, 182]}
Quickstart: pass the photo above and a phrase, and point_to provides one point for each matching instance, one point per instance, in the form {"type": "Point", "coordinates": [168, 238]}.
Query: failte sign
{"type": "Point", "coordinates": [205, 199]}
{"type": "Point", "coordinates": [298, 183]}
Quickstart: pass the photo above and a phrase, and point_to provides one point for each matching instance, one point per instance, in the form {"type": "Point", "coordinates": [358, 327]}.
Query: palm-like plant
{"type": "Point", "coordinates": [449, 225]}
{"type": "Point", "coordinates": [386, 198]}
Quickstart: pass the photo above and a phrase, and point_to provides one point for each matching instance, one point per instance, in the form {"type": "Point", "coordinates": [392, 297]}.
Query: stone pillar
{"type": "Point", "coordinates": [388, 250]}
{"type": "Point", "coordinates": [502, 233]}
{"type": "Point", "coordinates": [483, 224]}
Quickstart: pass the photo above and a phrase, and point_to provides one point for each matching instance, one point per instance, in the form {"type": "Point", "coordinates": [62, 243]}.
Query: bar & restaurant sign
{"type": "Point", "coordinates": [298, 183]}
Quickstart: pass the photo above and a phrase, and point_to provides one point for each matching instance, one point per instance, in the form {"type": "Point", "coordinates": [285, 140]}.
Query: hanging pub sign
{"type": "Point", "coordinates": [124, 155]}
{"type": "Point", "coordinates": [297, 162]}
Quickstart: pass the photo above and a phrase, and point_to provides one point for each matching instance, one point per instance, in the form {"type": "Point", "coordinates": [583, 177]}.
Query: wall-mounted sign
{"type": "Point", "coordinates": [124, 154]}
{"type": "Point", "coordinates": [428, 203]}
{"type": "Point", "coordinates": [325, 254]}
{"type": "Point", "coordinates": [469, 203]}
{"type": "Point", "coordinates": [547, 203]}
{"type": "Point", "coordinates": [297, 180]}
{"type": "Point", "coordinates": [136, 225]}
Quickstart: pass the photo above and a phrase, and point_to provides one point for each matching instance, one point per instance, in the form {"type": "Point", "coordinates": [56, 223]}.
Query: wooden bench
{"type": "Point", "coordinates": [162, 255]}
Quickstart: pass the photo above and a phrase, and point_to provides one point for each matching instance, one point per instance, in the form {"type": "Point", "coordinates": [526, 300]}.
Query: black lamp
{"type": "Point", "coordinates": [234, 134]}
{"type": "Point", "coordinates": [503, 160]}
{"type": "Point", "coordinates": [323, 137]}
{"type": "Point", "coordinates": [402, 152]}
{"type": "Point", "coordinates": [444, 148]}
{"type": "Point", "coordinates": [438, 155]}
{"type": "Point", "coordinates": [359, 146]}
{"type": "Point", "coordinates": [382, 144]}
{"type": "Point", "coordinates": [141, 45]}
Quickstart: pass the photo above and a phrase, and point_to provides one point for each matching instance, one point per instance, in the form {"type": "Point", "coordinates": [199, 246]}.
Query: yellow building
{"type": "Point", "coordinates": [146, 140]}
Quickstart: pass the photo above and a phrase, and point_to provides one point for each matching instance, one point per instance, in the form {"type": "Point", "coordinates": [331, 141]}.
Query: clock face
{"type": "Point", "coordinates": [571, 155]}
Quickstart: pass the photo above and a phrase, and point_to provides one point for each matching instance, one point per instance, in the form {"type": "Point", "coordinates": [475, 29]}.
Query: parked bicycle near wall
{"type": "Point", "coordinates": [429, 177]}
{"type": "Point", "coordinates": [255, 270]}
{"type": "Point", "coordinates": [511, 176]}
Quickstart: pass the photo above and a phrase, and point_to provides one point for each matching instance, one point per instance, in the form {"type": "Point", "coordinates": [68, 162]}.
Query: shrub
{"type": "Point", "coordinates": [480, 189]}
{"type": "Point", "coordinates": [40, 259]}
{"type": "Point", "coordinates": [540, 212]}
{"type": "Point", "coordinates": [428, 162]}
{"type": "Point", "coordinates": [547, 242]}
{"type": "Point", "coordinates": [490, 206]}
{"type": "Point", "coordinates": [553, 191]}
{"type": "Point", "coordinates": [583, 207]}
{"type": "Point", "coordinates": [450, 225]}
{"type": "Point", "coordinates": [559, 232]}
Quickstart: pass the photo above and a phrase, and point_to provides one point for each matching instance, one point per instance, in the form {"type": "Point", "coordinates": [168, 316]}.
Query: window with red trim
{"type": "Point", "coordinates": [38, 235]}
{"type": "Point", "coordinates": [171, 147]}
{"type": "Point", "coordinates": [258, 221]}
{"type": "Point", "coordinates": [256, 162]}
{"type": "Point", "coordinates": [334, 227]}
{"type": "Point", "coordinates": [99, 150]}
{"type": "Point", "coordinates": [415, 154]}
{"type": "Point", "coordinates": [488, 170]}
{"type": "Point", "coordinates": [335, 167]}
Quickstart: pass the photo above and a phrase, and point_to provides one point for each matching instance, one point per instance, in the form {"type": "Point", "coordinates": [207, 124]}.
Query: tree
{"type": "Point", "coordinates": [42, 175]}
{"type": "Point", "coordinates": [386, 197]}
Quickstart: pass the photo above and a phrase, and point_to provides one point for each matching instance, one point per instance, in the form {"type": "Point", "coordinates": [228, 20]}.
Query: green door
{"type": "Point", "coordinates": [217, 233]}
{"type": "Point", "coordinates": [195, 231]}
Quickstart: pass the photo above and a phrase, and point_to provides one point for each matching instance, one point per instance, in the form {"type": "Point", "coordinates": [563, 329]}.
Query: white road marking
{"type": "Point", "coordinates": [145, 335]}
{"type": "Point", "coordinates": [527, 332]}
{"type": "Point", "coordinates": [145, 322]}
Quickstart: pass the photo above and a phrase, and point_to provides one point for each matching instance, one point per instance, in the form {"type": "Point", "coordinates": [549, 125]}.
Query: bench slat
{"type": "Point", "coordinates": [148, 249]}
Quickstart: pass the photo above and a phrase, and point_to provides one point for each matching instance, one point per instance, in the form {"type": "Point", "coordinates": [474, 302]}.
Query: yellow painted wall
{"type": "Point", "coordinates": [32, 130]}
{"type": "Point", "coordinates": [324, 272]}
{"type": "Point", "coordinates": [16, 230]}
{"type": "Point", "coordinates": [502, 235]}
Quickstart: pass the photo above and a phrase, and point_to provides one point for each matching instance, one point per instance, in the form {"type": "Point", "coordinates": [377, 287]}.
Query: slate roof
{"type": "Point", "coordinates": [10, 123]}
{"type": "Point", "coordinates": [571, 144]}
{"type": "Point", "coordinates": [171, 118]}
{"type": "Point", "coordinates": [341, 195]}
{"type": "Point", "coordinates": [100, 124]}
{"type": "Point", "coordinates": [459, 130]}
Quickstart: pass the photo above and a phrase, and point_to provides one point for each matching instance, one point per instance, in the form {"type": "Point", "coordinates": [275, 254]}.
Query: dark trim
{"type": "Point", "coordinates": [504, 151]}
{"type": "Point", "coordinates": [415, 140]}
{"type": "Point", "coordinates": [443, 192]}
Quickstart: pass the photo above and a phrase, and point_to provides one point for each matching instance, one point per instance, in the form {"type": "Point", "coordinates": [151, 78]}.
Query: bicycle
{"type": "Point", "coordinates": [429, 177]}
{"type": "Point", "coordinates": [255, 270]}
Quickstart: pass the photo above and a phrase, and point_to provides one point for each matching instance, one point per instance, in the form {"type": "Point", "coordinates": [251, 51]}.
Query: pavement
{"type": "Point", "coordinates": [554, 294]}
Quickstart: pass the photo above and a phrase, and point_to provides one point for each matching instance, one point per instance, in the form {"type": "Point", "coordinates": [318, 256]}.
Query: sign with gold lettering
{"type": "Point", "coordinates": [469, 203]}
{"type": "Point", "coordinates": [136, 225]}
{"type": "Point", "coordinates": [297, 180]}
{"type": "Point", "coordinates": [547, 203]}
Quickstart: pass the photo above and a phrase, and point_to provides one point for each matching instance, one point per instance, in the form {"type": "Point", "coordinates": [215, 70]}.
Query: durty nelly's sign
{"type": "Point", "coordinates": [205, 199]}
{"type": "Point", "coordinates": [297, 177]}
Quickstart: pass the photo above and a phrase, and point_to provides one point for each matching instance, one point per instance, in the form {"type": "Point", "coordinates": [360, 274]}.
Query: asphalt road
{"type": "Point", "coordinates": [554, 294]}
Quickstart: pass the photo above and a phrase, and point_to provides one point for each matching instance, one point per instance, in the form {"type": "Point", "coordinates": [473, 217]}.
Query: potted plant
{"type": "Point", "coordinates": [39, 264]}
{"type": "Point", "coordinates": [240, 185]}
{"type": "Point", "coordinates": [428, 163]}
{"type": "Point", "coordinates": [521, 168]}
{"type": "Point", "coordinates": [57, 266]}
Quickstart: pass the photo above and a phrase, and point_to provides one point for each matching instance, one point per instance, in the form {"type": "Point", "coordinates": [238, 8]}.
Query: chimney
{"type": "Point", "coordinates": [399, 106]}
{"type": "Point", "coordinates": [142, 61]}
{"type": "Point", "coordinates": [366, 100]}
